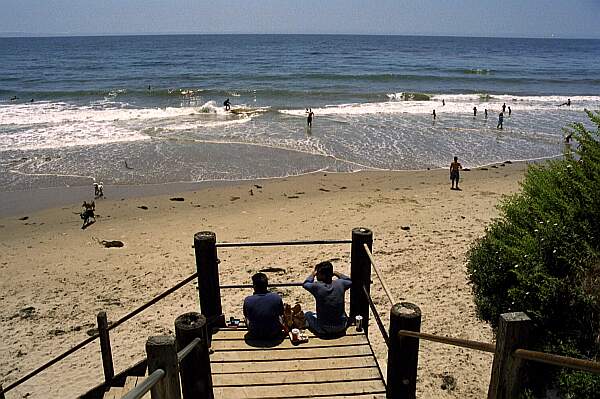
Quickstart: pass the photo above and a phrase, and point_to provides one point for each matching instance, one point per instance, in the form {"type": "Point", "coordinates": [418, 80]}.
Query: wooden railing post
{"type": "Point", "coordinates": [508, 374]}
{"type": "Point", "coordinates": [403, 352]}
{"type": "Point", "coordinates": [360, 272]}
{"type": "Point", "coordinates": [196, 377]}
{"type": "Point", "coordinates": [209, 290]}
{"type": "Point", "coordinates": [1, 392]}
{"type": "Point", "coordinates": [105, 349]}
{"type": "Point", "coordinates": [162, 354]}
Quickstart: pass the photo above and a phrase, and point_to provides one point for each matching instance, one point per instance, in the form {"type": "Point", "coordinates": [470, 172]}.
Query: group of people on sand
{"type": "Point", "coordinates": [265, 312]}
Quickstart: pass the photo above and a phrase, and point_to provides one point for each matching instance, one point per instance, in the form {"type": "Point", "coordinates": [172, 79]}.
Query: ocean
{"type": "Point", "coordinates": [139, 110]}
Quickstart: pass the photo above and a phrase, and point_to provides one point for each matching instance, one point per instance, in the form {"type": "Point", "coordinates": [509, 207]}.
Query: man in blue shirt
{"type": "Point", "coordinates": [262, 310]}
{"type": "Point", "coordinates": [330, 317]}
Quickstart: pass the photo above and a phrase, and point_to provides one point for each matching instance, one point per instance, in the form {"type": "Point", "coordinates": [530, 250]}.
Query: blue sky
{"type": "Point", "coordinates": [504, 18]}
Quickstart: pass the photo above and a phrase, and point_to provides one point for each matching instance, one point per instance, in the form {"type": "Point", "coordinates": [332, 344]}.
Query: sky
{"type": "Point", "coordinates": [499, 18]}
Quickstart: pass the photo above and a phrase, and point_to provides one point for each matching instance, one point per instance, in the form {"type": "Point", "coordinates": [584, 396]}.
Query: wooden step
{"type": "Point", "coordinates": [305, 390]}
{"type": "Point", "coordinates": [343, 367]}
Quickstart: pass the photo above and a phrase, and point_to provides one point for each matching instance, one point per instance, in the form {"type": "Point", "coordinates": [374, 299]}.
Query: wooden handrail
{"type": "Point", "coordinates": [535, 356]}
{"type": "Point", "coordinates": [248, 286]}
{"type": "Point", "coordinates": [146, 385]}
{"type": "Point", "coordinates": [185, 351]}
{"type": "Point", "coordinates": [382, 330]}
{"type": "Point", "coordinates": [464, 343]}
{"type": "Point", "coordinates": [280, 243]}
{"type": "Point", "coordinates": [557, 360]}
{"type": "Point", "coordinates": [383, 284]}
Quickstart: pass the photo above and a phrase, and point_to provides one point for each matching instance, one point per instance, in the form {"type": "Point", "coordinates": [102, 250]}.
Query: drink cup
{"type": "Point", "coordinates": [295, 334]}
{"type": "Point", "coordinates": [359, 320]}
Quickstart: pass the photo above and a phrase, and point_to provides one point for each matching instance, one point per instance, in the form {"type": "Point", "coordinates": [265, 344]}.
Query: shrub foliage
{"type": "Point", "coordinates": [542, 256]}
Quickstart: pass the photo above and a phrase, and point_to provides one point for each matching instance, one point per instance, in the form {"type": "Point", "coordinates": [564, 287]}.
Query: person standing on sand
{"type": "Point", "coordinates": [443, 102]}
{"type": "Point", "coordinates": [434, 115]}
{"type": "Point", "coordinates": [309, 118]}
{"type": "Point", "coordinates": [485, 113]}
{"type": "Point", "coordinates": [500, 120]}
{"type": "Point", "coordinates": [454, 174]}
{"type": "Point", "coordinates": [509, 110]}
{"type": "Point", "coordinates": [504, 108]}
{"type": "Point", "coordinates": [474, 111]}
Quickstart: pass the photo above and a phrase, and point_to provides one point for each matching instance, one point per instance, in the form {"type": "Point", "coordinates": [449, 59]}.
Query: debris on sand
{"type": "Point", "coordinates": [27, 312]}
{"type": "Point", "coordinates": [178, 199]}
{"type": "Point", "coordinates": [272, 269]}
{"type": "Point", "coordinates": [111, 243]}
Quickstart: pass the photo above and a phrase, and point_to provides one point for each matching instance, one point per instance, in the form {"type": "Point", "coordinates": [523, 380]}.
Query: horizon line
{"type": "Point", "coordinates": [24, 35]}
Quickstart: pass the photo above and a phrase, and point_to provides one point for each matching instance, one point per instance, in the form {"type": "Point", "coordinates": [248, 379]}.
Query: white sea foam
{"type": "Point", "coordinates": [454, 104]}
{"type": "Point", "coordinates": [58, 124]}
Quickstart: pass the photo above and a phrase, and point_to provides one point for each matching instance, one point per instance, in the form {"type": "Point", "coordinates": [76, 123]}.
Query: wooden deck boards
{"type": "Point", "coordinates": [331, 368]}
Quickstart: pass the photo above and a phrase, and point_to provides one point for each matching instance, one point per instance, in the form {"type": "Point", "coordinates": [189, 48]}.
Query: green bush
{"type": "Point", "coordinates": [542, 256]}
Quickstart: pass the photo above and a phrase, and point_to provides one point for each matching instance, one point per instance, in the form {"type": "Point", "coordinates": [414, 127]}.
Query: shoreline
{"type": "Point", "coordinates": [18, 203]}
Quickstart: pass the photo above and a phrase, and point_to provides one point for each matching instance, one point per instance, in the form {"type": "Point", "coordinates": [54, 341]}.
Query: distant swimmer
{"type": "Point", "coordinates": [434, 115]}
{"type": "Point", "coordinates": [485, 113]}
{"type": "Point", "coordinates": [14, 98]}
{"type": "Point", "coordinates": [504, 108]}
{"type": "Point", "coordinates": [500, 120]}
{"type": "Point", "coordinates": [227, 105]}
{"type": "Point", "coordinates": [474, 111]}
{"type": "Point", "coordinates": [309, 118]}
{"type": "Point", "coordinates": [31, 100]}
{"type": "Point", "coordinates": [454, 173]}
{"type": "Point", "coordinates": [568, 138]}
{"type": "Point", "coordinates": [509, 110]}
{"type": "Point", "coordinates": [568, 103]}
{"type": "Point", "coordinates": [443, 102]}
{"type": "Point", "coordinates": [149, 87]}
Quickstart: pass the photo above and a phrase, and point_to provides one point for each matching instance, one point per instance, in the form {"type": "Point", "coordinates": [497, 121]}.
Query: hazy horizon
{"type": "Point", "coordinates": [462, 18]}
{"type": "Point", "coordinates": [6, 35]}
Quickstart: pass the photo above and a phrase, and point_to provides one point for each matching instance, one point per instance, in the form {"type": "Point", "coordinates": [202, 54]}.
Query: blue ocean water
{"type": "Point", "coordinates": [148, 109]}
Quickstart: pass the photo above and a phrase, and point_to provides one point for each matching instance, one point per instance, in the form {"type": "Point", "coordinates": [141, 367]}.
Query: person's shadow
{"type": "Point", "coordinates": [263, 343]}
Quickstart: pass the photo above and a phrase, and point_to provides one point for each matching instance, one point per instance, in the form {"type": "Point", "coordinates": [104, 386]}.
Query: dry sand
{"type": "Point", "coordinates": [49, 263]}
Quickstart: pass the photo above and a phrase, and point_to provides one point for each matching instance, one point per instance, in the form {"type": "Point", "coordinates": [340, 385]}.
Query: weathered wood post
{"type": "Point", "coordinates": [508, 372]}
{"type": "Point", "coordinates": [403, 352]}
{"type": "Point", "coordinates": [209, 289]}
{"type": "Point", "coordinates": [196, 377]}
{"type": "Point", "coordinates": [360, 272]}
{"type": "Point", "coordinates": [162, 354]}
{"type": "Point", "coordinates": [105, 349]}
{"type": "Point", "coordinates": [1, 392]}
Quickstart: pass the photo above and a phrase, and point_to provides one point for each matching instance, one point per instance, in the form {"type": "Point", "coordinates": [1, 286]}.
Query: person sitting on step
{"type": "Point", "coordinates": [262, 310]}
{"type": "Point", "coordinates": [330, 317]}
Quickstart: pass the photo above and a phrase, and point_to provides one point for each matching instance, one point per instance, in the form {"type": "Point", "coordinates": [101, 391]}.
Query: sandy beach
{"type": "Point", "coordinates": [56, 277]}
